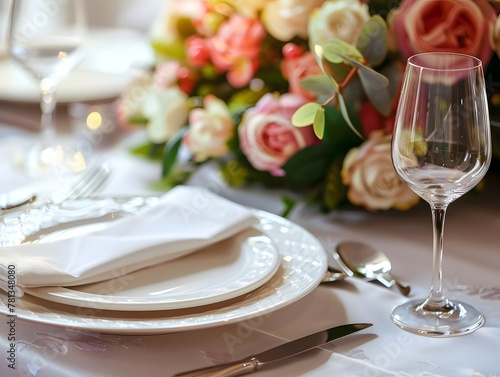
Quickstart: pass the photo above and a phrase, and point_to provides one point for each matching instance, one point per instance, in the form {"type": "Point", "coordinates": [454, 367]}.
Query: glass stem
{"type": "Point", "coordinates": [437, 299]}
{"type": "Point", "coordinates": [47, 105]}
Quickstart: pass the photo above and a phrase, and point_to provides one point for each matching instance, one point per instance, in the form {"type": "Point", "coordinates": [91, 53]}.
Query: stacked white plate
{"type": "Point", "coordinates": [264, 268]}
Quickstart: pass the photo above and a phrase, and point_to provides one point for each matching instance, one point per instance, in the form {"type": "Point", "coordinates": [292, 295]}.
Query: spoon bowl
{"type": "Point", "coordinates": [365, 262]}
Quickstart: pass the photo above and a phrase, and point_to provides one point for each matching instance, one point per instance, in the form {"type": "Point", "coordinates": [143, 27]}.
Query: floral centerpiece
{"type": "Point", "coordinates": [296, 94]}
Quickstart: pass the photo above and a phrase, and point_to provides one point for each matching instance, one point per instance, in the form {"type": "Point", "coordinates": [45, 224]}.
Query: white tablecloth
{"type": "Point", "coordinates": [471, 265]}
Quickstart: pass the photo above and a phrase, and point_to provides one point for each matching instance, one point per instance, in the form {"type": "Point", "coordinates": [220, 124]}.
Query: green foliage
{"type": "Point", "coordinates": [334, 193]}
{"type": "Point", "coordinates": [171, 151]}
{"type": "Point", "coordinates": [306, 114]}
{"type": "Point", "coordinates": [308, 165]}
{"type": "Point", "coordinates": [337, 51]}
{"type": "Point", "coordinates": [289, 204]}
{"type": "Point", "coordinates": [338, 137]}
{"type": "Point", "coordinates": [174, 49]}
{"type": "Point", "coordinates": [319, 123]}
{"type": "Point", "coordinates": [318, 85]}
{"type": "Point", "coordinates": [373, 43]}
{"type": "Point", "coordinates": [149, 150]}
{"type": "Point", "coordinates": [374, 84]}
{"type": "Point", "coordinates": [174, 178]}
{"type": "Point", "coordinates": [235, 173]}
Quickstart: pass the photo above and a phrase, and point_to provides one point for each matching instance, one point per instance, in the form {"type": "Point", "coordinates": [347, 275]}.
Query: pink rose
{"type": "Point", "coordinates": [209, 129]}
{"type": "Point", "coordinates": [235, 48]}
{"type": "Point", "coordinates": [371, 179]}
{"type": "Point", "coordinates": [460, 26]}
{"type": "Point", "coordinates": [171, 73]}
{"type": "Point", "coordinates": [267, 136]}
{"type": "Point", "coordinates": [296, 67]}
{"type": "Point", "coordinates": [197, 51]}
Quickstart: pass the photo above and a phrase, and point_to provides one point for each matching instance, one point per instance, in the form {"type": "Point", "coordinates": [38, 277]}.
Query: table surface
{"type": "Point", "coordinates": [471, 265]}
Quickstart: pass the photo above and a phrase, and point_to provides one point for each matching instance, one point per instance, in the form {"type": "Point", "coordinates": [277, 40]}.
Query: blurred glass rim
{"type": "Point", "coordinates": [434, 61]}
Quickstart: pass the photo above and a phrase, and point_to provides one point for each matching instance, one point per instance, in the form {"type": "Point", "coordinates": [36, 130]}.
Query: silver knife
{"type": "Point", "coordinates": [255, 362]}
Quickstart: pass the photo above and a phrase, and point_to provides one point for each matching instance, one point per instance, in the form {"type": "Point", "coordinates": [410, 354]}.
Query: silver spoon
{"type": "Point", "coordinates": [367, 263]}
{"type": "Point", "coordinates": [332, 275]}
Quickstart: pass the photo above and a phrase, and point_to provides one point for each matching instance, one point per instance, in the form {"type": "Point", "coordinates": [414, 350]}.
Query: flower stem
{"type": "Point", "coordinates": [342, 86]}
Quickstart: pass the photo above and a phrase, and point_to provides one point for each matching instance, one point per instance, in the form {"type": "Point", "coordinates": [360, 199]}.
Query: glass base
{"type": "Point", "coordinates": [456, 318]}
{"type": "Point", "coordinates": [41, 161]}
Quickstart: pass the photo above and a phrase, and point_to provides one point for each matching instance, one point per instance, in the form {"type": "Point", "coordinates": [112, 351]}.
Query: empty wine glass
{"type": "Point", "coordinates": [441, 149]}
{"type": "Point", "coordinates": [47, 39]}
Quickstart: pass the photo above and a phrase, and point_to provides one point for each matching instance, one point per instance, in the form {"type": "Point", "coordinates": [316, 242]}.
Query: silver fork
{"type": "Point", "coordinates": [83, 186]}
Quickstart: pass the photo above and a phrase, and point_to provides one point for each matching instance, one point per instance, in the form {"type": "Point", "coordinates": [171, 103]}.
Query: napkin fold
{"type": "Point", "coordinates": [185, 219]}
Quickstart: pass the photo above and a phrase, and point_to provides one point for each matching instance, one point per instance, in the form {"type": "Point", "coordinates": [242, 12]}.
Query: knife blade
{"type": "Point", "coordinates": [292, 348]}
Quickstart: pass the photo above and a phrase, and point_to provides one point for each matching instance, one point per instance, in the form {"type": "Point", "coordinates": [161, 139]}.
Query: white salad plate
{"type": "Point", "coordinates": [217, 273]}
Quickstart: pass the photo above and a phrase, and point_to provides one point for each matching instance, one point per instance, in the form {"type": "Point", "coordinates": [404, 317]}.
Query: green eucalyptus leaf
{"type": "Point", "coordinates": [336, 50]}
{"type": "Point", "coordinates": [171, 151]}
{"type": "Point", "coordinates": [318, 85]}
{"type": "Point", "coordinates": [373, 41]}
{"type": "Point", "coordinates": [338, 71]}
{"type": "Point", "coordinates": [345, 114]}
{"type": "Point", "coordinates": [305, 115]}
{"type": "Point", "coordinates": [319, 123]}
{"type": "Point", "coordinates": [318, 54]}
{"type": "Point", "coordinates": [375, 86]}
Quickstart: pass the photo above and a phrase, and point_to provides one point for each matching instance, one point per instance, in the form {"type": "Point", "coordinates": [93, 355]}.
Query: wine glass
{"type": "Point", "coordinates": [441, 149]}
{"type": "Point", "coordinates": [47, 39]}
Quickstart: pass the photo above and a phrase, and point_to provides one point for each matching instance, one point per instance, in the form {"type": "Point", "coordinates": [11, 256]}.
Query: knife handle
{"type": "Point", "coordinates": [231, 370]}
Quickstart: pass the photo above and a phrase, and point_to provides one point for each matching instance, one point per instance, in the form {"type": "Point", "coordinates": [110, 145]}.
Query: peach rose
{"type": "Point", "coordinates": [235, 48]}
{"type": "Point", "coordinates": [297, 67]}
{"type": "Point", "coordinates": [286, 19]}
{"type": "Point", "coordinates": [461, 26]}
{"type": "Point", "coordinates": [342, 19]}
{"type": "Point", "coordinates": [371, 178]}
{"type": "Point", "coordinates": [209, 129]}
{"type": "Point", "coordinates": [267, 136]}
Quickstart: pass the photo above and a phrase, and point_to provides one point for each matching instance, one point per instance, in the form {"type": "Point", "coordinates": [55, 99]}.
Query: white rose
{"type": "Point", "coordinates": [209, 130]}
{"type": "Point", "coordinates": [371, 179]}
{"type": "Point", "coordinates": [342, 19]}
{"type": "Point", "coordinates": [286, 19]}
{"type": "Point", "coordinates": [167, 112]}
{"type": "Point", "coordinates": [164, 27]}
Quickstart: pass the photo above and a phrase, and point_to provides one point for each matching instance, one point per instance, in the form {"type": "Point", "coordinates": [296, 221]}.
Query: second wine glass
{"type": "Point", "coordinates": [47, 39]}
{"type": "Point", "coordinates": [441, 149]}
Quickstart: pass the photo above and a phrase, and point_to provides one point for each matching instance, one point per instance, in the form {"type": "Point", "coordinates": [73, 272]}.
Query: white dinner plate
{"type": "Point", "coordinates": [112, 55]}
{"type": "Point", "coordinates": [217, 273]}
{"type": "Point", "coordinates": [302, 266]}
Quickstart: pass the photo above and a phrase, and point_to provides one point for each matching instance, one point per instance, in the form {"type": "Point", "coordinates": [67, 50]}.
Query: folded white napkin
{"type": "Point", "coordinates": [185, 219]}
